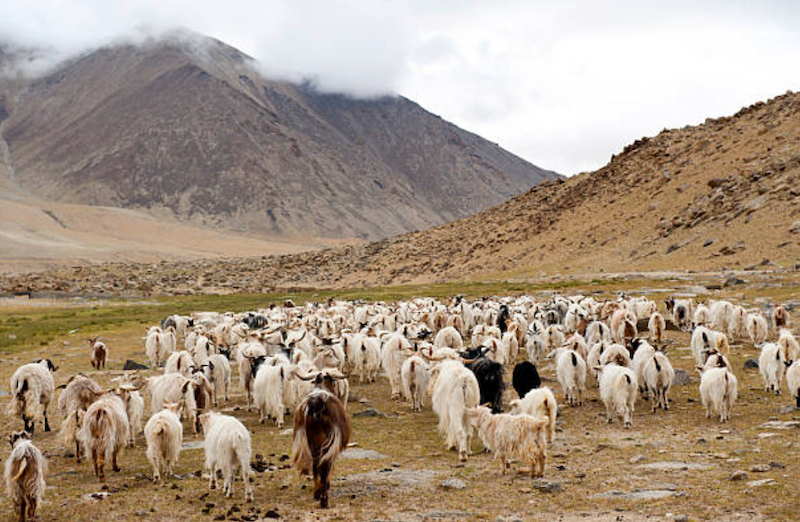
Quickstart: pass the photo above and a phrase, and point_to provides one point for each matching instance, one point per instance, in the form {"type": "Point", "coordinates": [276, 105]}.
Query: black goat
{"type": "Point", "coordinates": [525, 378]}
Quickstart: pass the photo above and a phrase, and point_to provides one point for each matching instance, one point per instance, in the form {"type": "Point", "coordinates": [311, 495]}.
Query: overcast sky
{"type": "Point", "coordinates": [563, 84]}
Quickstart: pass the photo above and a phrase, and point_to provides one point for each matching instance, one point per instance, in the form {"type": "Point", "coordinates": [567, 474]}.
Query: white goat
{"type": "Point", "coordinates": [104, 432]}
{"type": "Point", "coordinates": [657, 374]}
{"type": "Point", "coordinates": [164, 435]}
{"type": "Point", "coordinates": [539, 403]}
{"type": "Point", "coordinates": [512, 436]}
{"type": "Point", "coordinates": [32, 389]}
{"type": "Point", "coordinates": [618, 391]}
{"type": "Point", "coordinates": [415, 375]}
{"type": "Point", "coordinates": [571, 372]}
{"type": "Point", "coordinates": [25, 473]}
{"type": "Point", "coordinates": [455, 389]}
{"type": "Point", "coordinates": [718, 392]}
{"type": "Point", "coordinates": [227, 444]}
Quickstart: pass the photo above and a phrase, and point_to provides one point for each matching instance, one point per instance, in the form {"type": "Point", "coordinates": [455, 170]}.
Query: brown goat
{"type": "Point", "coordinates": [98, 354]}
{"type": "Point", "coordinates": [321, 433]}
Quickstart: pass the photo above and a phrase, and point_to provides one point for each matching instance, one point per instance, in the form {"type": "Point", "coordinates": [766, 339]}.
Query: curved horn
{"type": "Point", "coordinates": [307, 377]}
{"type": "Point", "coordinates": [334, 373]}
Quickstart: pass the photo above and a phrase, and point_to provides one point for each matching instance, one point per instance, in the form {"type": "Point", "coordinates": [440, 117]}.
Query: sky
{"type": "Point", "coordinates": [564, 84]}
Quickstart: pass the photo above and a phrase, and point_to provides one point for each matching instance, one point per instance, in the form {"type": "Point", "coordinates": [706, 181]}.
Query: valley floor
{"type": "Point", "coordinates": [668, 465]}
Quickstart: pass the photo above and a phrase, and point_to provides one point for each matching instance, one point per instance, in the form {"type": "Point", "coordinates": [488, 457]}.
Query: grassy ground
{"type": "Point", "coordinates": [589, 457]}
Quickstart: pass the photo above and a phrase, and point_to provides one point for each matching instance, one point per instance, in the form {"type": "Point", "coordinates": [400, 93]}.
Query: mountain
{"type": "Point", "coordinates": [186, 128]}
{"type": "Point", "coordinates": [721, 195]}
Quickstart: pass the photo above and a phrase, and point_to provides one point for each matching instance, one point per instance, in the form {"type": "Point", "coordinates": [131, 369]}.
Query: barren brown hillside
{"type": "Point", "coordinates": [716, 196]}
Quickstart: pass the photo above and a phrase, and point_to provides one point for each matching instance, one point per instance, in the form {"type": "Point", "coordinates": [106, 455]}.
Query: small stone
{"type": "Point", "coordinates": [453, 483]}
{"type": "Point", "coordinates": [751, 364]}
{"type": "Point", "coordinates": [680, 518]}
{"type": "Point", "coordinates": [636, 459]}
{"type": "Point", "coordinates": [777, 465]}
{"type": "Point", "coordinates": [716, 182]}
{"type": "Point", "coordinates": [762, 482]}
{"type": "Point", "coordinates": [369, 412]}
{"type": "Point", "coordinates": [547, 486]}
{"type": "Point", "coordinates": [790, 408]}
{"type": "Point", "coordinates": [738, 475]}
{"type": "Point", "coordinates": [760, 468]}
{"type": "Point", "coordinates": [732, 280]}
{"type": "Point", "coordinates": [795, 227]}
{"type": "Point", "coordinates": [681, 377]}
{"type": "Point", "coordinates": [708, 243]}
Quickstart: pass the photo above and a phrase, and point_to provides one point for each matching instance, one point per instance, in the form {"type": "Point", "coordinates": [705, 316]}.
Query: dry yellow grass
{"type": "Point", "coordinates": [589, 456]}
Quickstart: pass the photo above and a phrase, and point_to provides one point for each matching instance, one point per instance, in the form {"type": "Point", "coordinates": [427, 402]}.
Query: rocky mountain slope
{"type": "Point", "coordinates": [186, 128]}
{"type": "Point", "coordinates": [722, 195]}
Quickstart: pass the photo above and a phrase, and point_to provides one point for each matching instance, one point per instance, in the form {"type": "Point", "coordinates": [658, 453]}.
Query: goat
{"type": "Point", "coordinates": [618, 390]}
{"type": "Point", "coordinates": [32, 389]}
{"type": "Point", "coordinates": [268, 392]}
{"type": "Point", "coordinates": [227, 444]}
{"type": "Point", "coordinates": [656, 325]}
{"type": "Point", "coordinates": [512, 436]}
{"type": "Point", "coordinates": [540, 403]}
{"type": "Point", "coordinates": [415, 376]}
{"type": "Point", "coordinates": [164, 435]}
{"type": "Point", "coordinates": [780, 317]}
{"type": "Point", "coordinates": [159, 345]}
{"type": "Point", "coordinates": [793, 381]}
{"type": "Point", "coordinates": [771, 366]}
{"type": "Point", "coordinates": [757, 328]}
{"type": "Point", "coordinates": [525, 378]}
{"type": "Point", "coordinates": [490, 378]}
{"type": "Point", "coordinates": [180, 362]}
{"type": "Point", "coordinates": [657, 374]}
{"type": "Point", "coordinates": [454, 389]}
{"type": "Point", "coordinates": [788, 343]}
{"type": "Point", "coordinates": [571, 372]}
{"type": "Point", "coordinates": [25, 473]}
{"type": "Point", "coordinates": [321, 433]}
{"type": "Point", "coordinates": [104, 432]}
{"type": "Point", "coordinates": [98, 354]}
{"type": "Point", "coordinates": [172, 387]}
{"type": "Point", "coordinates": [217, 370]}
{"type": "Point", "coordinates": [718, 391]}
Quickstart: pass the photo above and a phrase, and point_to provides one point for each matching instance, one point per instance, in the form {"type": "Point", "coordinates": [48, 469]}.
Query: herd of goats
{"type": "Point", "coordinates": [299, 359]}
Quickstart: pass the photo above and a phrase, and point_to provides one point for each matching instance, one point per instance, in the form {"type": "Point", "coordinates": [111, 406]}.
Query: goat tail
{"type": "Point", "coordinates": [301, 452]}
{"type": "Point", "coordinates": [333, 446]}
{"type": "Point", "coordinates": [23, 465]}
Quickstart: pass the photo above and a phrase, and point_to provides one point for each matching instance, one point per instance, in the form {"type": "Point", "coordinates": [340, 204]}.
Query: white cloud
{"type": "Point", "coordinates": [563, 84]}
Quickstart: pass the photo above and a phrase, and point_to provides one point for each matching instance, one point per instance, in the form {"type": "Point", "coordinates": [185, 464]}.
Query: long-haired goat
{"type": "Point", "coordinates": [104, 432]}
{"type": "Point", "coordinates": [227, 444]}
{"type": "Point", "coordinates": [321, 433]}
{"type": "Point", "coordinates": [25, 473]}
{"type": "Point", "coordinates": [718, 391]}
{"type": "Point", "coordinates": [415, 376]}
{"type": "Point", "coordinates": [512, 436]}
{"type": "Point", "coordinates": [657, 374]}
{"type": "Point", "coordinates": [164, 435]}
{"type": "Point", "coordinates": [540, 403]}
{"type": "Point", "coordinates": [32, 387]}
{"type": "Point", "coordinates": [618, 391]}
{"type": "Point", "coordinates": [454, 389]}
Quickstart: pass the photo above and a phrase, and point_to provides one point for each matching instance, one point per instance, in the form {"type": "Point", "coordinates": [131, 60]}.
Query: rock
{"type": "Point", "coordinates": [681, 377]}
{"type": "Point", "coordinates": [636, 459]}
{"type": "Point", "coordinates": [365, 454]}
{"type": "Point", "coordinates": [272, 513]}
{"type": "Point", "coordinates": [680, 518]}
{"type": "Point", "coordinates": [780, 425]}
{"type": "Point", "coordinates": [790, 408]}
{"type": "Point", "coordinates": [717, 182]}
{"type": "Point", "coordinates": [762, 482]}
{"type": "Point", "coordinates": [453, 483]}
{"type": "Point", "coordinates": [777, 465]}
{"type": "Point", "coordinates": [369, 412]}
{"type": "Point", "coordinates": [760, 468]}
{"type": "Point", "coordinates": [547, 486]}
{"type": "Point", "coordinates": [738, 475]}
{"type": "Point", "coordinates": [795, 228]}
{"type": "Point", "coordinates": [133, 365]}
{"type": "Point", "coordinates": [732, 280]}
{"type": "Point", "coordinates": [670, 466]}
{"type": "Point", "coordinates": [751, 364]}
{"type": "Point", "coordinates": [708, 243]}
